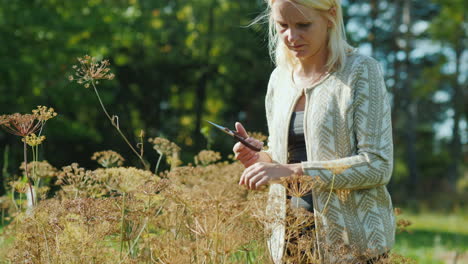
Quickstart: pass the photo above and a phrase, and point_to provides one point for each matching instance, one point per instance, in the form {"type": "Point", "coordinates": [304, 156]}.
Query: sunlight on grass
{"type": "Point", "coordinates": [434, 238]}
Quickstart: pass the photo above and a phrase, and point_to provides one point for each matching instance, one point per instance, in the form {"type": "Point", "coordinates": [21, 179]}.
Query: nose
{"type": "Point", "coordinates": [292, 35]}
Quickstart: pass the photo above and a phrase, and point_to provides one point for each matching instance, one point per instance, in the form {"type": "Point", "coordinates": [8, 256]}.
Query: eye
{"type": "Point", "coordinates": [303, 25]}
{"type": "Point", "coordinates": [282, 25]}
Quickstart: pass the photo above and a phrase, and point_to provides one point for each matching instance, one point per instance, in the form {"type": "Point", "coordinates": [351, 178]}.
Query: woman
{"type": "Point", "coordinates": [328, 117]}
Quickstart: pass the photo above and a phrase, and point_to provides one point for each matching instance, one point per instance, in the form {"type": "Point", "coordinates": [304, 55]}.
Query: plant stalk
{"type": "Point", "coordinates": [27, 176]}
{"type": "Point", "coordinates": [145, 165]}
{"type": "Point", "coordinates": [122, 226]}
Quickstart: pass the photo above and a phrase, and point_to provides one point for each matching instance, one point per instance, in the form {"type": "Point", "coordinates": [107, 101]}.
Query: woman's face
{"type": "Point", "coordinates": [303, 30]}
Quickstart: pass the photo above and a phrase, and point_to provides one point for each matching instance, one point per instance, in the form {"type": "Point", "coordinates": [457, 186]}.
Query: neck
{"type": "Point", "coordinates": [313, 65]}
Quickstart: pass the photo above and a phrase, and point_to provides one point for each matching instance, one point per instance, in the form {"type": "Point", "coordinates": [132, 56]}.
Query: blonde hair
{"type": "Point", "coordinates": [337, 45]}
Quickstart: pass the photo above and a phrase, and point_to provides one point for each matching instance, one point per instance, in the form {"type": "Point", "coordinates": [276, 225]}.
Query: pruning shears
{"type": "Point", "coordinates": [236, 135]}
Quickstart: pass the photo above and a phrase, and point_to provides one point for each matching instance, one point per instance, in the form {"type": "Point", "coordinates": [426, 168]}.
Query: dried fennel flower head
{"type": "Point", "coordinates": [91, 70]}
{"type": "Point", "coordinates": [78, 182]}
{"type": "Point", "coordinates": [124, 180]}
{"type": "Point", "coordinates": [4, 119]}
{"type": "Point", "coordinates": [108, 158]}
{"type": "Point", "coordinates": [20, 125]}
{"type": "Point", "coordinates": [25, 124]}
{"type": "Point", "coordinates": [33, 140]}
{"type": "Point", "coordinates": [19, 186]}
{"type": "Point", "coordinates": [44, 113]}
{"type": "Point", "coordinates": [298, 185]}
{"type": "Point", "coordinates": [40, 169]}
{"type": "Point", "coordinates": [163, 146]}
{"type": "Point", "coordinates": [206, 157]}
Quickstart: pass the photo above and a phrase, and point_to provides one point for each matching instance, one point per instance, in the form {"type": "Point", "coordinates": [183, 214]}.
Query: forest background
{"type": "Point", "coordinates": [178, 63]}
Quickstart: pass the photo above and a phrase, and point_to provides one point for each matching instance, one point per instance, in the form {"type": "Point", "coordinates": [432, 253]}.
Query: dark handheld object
{"type": "Point", "coordinates": [236, 136]}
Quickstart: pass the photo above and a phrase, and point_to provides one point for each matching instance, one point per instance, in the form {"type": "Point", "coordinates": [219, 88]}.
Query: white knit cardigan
{"type": "Point", "coordinates": [347, 127]}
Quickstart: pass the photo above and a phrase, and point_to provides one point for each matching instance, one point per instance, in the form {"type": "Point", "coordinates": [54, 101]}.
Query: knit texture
{"type": "Point", "coordinates": [348, 132]}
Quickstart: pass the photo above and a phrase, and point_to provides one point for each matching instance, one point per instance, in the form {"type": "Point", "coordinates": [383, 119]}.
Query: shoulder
{"type": "Point", "coordinates": [275, 75]}
{"type": "Point", "coordinates": [361, 67]}
{"type": "Point", "coordinates": [356, 61]}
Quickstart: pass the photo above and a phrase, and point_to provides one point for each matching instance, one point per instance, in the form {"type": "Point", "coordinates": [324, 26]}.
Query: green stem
{"type": "Point", "coordinates": [26, 172]}
{"type": "Point", "coordinates": [122, 226]}
{"type": "Point", "coordinates": [157, 164]}
{"type": "Point", "coordinates": [118, 129]}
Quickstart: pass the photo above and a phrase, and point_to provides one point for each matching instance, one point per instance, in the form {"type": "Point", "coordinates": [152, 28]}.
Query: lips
{"type": "Point", "coordinates": [296, 46]}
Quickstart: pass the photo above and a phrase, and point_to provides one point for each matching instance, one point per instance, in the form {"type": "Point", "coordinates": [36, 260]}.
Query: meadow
{"type": "Point", "coordinates": [190, 213]}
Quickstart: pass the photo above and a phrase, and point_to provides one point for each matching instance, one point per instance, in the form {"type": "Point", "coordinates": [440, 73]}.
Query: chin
{"type": "Point", "coordinates": [300, 55]}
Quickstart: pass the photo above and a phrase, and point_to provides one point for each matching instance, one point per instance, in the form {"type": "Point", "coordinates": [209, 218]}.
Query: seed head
{"type": "Point", "coordinates": [33, 140]}
{"type": "Point", "coordinates": [108, 158]}
{"type": "Point", "coordinates": [164, 146]}
{"type": "Point", "coordinates": [206, 157]}
{"type": "Point", "coordinates": [26, 124]}
{"type": "Point", "coordinates": [91, 70]}
{"type": "Point", "coordinates": [20, 125]}
{"type": "Point", "coordinates": [43, 113]}
{"type": "Point", "coordinates": [40, 169]}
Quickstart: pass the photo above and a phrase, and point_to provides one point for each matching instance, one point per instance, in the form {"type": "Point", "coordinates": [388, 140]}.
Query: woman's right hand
{"type": "Point", "coordinates": [242, 153]}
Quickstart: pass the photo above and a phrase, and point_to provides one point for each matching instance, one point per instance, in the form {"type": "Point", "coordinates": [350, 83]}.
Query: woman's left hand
{"type": "Point", "coordinates": [262, 173]}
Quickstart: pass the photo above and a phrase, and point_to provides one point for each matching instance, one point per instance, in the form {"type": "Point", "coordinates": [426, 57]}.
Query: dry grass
{"type": "Point", "coordinates": [191, 214]}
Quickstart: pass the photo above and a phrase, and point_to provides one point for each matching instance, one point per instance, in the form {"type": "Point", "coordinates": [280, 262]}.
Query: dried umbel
{"type": "Point", "coordinates": [26, 124]}
{"type": "Point", "coordinates": [44, 113]}
{"type": "Point", "coordinates": [78, 182]}
{"type": "Point", "coordinates": [206, 157]}
{"type": "Point", "coordinates": [33, 140]}
{"type": "Point", "coordinates": [108, 158]}
{"type": "Point", "coordinates": [20, 125]}
{"type": "Point", "coordinates": [91, 70]}
{"type": "Point", "coordinates": [298, 185]}
{"type": "Point", "coordinates": [19, 186]}
{"type": "Point", "coordinates": [124, 180]}
{"type": "Point", "coordinates": [39, 169]}
{"type": "Point", "coordinates": [164, 146]}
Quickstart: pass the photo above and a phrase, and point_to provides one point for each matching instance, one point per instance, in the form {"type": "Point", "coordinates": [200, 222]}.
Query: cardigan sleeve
{"type": "Point", "coordinates": [371, 112]}
{"type": "Point", "coordinates": [269, 113]}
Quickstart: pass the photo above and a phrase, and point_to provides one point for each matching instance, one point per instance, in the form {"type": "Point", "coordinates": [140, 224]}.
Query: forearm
{"type": "Point", "coordinates": [264, 157]}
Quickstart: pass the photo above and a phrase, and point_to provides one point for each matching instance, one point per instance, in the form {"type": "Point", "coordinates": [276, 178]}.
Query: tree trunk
{"type": "Point", "coordinates": [200, 95]}
{"type": "Point", "coordinates": [410, 105]}
{"type": "Point", "coordinates": [374, 12]}
{"type": "Point", "coordinates": [457, 102]}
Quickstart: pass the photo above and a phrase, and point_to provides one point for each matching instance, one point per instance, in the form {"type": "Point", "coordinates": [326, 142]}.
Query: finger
{"type": "Point", "coordinates": [254, 180]}
{"type": "Point", "coordinates": [255, 142]}
{"type": "Point", "coordinates": [249, 173]}
{"type": "Point", "coordinates": [245, 156]}
{"type": "Point", "coordinates": [241, 130]}
{"type": "Point", "coordinates": [252, 160]}
{"type": "Point", "coordinates": [238, 147]}
{"type": "Point", "coordinates": [261, 182]}
{"type": "Point", "coordinates": [244, 173]}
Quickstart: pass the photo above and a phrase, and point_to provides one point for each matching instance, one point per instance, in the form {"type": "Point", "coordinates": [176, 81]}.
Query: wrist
{"type": "Point", "coordinates": [296, 168]}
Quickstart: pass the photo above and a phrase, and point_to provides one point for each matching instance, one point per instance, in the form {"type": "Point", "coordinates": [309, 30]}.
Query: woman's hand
{"type": "Point", "coordinates": [243, 153]}
{"type": "Point", "coordinates": [262, 173]}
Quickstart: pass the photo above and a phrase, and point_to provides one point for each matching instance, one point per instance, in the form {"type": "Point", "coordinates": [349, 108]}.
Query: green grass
{"type": "Point", "coordinates": [434, 238]}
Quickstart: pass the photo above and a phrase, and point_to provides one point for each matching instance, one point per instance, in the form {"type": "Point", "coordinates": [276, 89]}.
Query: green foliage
{"type": "Point", "coordinates": [434, 237]}
{"type": "Point", "coordinates": [180, 62]}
